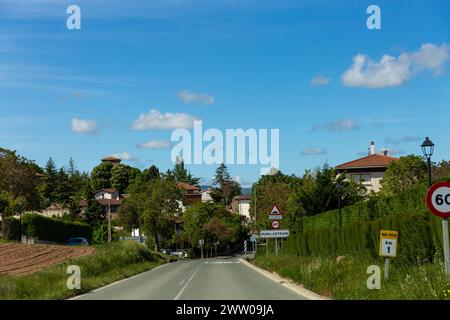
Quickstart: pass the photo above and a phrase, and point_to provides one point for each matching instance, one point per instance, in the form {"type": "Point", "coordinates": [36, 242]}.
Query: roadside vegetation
{"type": "Point", "coordinates": [109, 263]}
{"type": "Point", "coordinates": [347, 279]}
{"type": "Point", "coordinates": [321, 234]}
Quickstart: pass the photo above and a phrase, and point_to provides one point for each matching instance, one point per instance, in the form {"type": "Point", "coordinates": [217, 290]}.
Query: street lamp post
{"type": "Point", "coordinates": [427, 149]}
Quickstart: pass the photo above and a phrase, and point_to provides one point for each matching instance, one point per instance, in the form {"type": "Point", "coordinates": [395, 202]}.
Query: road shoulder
{"type": "Point", "coordinates": [288, 283]}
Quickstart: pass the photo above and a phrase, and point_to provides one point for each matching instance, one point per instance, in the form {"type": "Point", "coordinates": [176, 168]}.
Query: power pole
{"type": "Point", "coordinates": [109, 221]}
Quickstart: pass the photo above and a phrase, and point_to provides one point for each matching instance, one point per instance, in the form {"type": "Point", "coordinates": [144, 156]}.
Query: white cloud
{"type": "Point", "coordinates": [188, 96]}
{"type": "Point", "coordinates": [155, 144]}
{"type": "Point", "coordinates": [320, 81]}
{"type": "Point", "coordinates": [154, 120]}
{"type": "Point", "coordinates": [397, 141]}
{"type": "Point", "coordinates": [123, 156]}
{"type": "Point", "coordinates": [343, 125]}
{"type": "Point", "coordinates": [395, 71]}
{"type": "Point", "coordinates": [313, 151]}
{"type": "Point", "coordinates": [84, 126]}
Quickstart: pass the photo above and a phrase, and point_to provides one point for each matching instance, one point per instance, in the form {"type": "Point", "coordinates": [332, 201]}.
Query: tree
{"type": "Point", "coordinates": [49, 182]}
{"type": "Point", "coordinates": [119, 177]}
{"type": "Point", "coordinates": [181, 174]}
{"type": "Point", "coordinates": [152, 205]}
{"type": "Point", "coordinates": [441, 170]}
{"type": "Point", "coordinates": [271, 190]}
{"type": "Point", "coordinates": [101, 176]}
{"type": "Point", "coordinates": [225, 187]}
{"type": "Point", "coordinates": [18, 179]}
{"type": "Point", "coordinates": [403, 174]}
{"type": "Point", "coordinates": [212, 222]}
{"type": "Point", "coordinates": [63, 191]}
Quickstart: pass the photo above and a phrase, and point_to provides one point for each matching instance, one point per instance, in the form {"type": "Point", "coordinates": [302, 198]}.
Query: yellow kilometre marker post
{"type": "Point", "coordinates": [388, 248]}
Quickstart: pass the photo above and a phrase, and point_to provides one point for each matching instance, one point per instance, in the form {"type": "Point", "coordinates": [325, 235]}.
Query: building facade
{"type": "Point", "coordinates": [369, 170]}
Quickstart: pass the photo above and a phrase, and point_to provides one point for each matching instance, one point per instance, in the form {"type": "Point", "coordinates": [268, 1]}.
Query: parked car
{"type": "Point", "coordinates": [180, 253]}
{"type": "Point", "coordinates": [78, 242]}
{"type": "Point", "coordinates": [166, 251]}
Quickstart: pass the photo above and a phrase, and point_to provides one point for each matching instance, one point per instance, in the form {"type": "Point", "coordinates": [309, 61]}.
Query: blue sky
{"type": "Point", "coordinates": [311, 69]}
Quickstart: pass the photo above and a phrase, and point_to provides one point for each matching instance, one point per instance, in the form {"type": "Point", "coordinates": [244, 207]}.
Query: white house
{"type": "Point", "coordinates": [241, 205]}
{"type": "Point", "coordinates": [368, 170]}
{"type": "Point", "coordinates": [206, 195]}
{"type": "Point", "coordinates": [109, 194]}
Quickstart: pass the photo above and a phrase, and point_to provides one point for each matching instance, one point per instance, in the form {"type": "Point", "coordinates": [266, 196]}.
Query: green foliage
{"type": "Point", "coordinates": [225, 188]}
{"type": "Point", "coordinates": [212, 222]}
{"type": "Point", "coordinates": [347, 279]}
{"type": "Point", "coordinates": [94, 214]}
{"type": "Point", "coordinates": [53, 229]}
{"type": "Point", "coordinates": [100, 234]}
{"type": "Point", "coordinates": [10, 229]}
{"type": "Point", "coordinates": [181, 174]}
{"type": "Point", "coordinates": [403, 175]}
{"type": "Point", "coordinates": [152, 205]}
{"type": "Point", "coordinates": [18, 180]}
{"type": "Point", "coordinates": [101, 176]}
{"type": "Point", "coordinates": [377, 206]}
{"type": "Point", "coordinates": [271, 190]}
{"type": "Point", "coordinates": [49, 181]}
{"type": "Point", "coordinates": [120, 177]}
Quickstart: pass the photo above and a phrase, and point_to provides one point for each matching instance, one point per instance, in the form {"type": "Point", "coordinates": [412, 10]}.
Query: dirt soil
{"type": "Point", "coordinates": [23, 259]}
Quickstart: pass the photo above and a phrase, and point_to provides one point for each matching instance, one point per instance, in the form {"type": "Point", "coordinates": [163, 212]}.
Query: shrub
{"type": "Point", "coordinates": [10, 229]}
{"type": "Point", "coordinates": [53, 229]}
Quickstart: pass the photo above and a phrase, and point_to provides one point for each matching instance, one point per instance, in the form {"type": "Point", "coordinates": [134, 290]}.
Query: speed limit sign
{"type": "Point", "coordinates": [438, 202]}
{"type": "Point", "coordinates": [438, 199]}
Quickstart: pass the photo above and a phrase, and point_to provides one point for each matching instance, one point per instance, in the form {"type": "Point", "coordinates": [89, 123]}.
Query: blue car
{"type": "Point", "coordinates": [77, 242]}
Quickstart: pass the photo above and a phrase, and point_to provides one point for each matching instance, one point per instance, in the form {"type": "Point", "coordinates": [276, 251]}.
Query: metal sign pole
{"type": "Point", "coordinates": [276, 247]}
{"type": "Point", "coordinates": [386, 268]}
{"type": "Point", "coordinates": [446, 246]}
{"type": "Point", "coordinates": [267, 249]}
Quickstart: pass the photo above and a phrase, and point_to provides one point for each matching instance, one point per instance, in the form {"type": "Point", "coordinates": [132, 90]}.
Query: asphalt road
{"type": "Point", "coordinates": [208, 279]}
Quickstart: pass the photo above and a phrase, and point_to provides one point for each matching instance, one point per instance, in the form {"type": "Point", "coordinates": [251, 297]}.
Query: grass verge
{"type": "Point", "coordinates": [108, 264]}
{"type": "Point", "coordinates": [348, 278]}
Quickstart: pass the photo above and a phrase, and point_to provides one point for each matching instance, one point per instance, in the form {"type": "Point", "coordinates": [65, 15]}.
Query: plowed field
{"type": "Point", "coordinates": [21, 259]}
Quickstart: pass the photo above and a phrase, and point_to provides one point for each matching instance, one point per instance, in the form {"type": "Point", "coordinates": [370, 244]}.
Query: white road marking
{"type": "Point", "coordinates": [187, 283]}
{"type": "Point", "coordinates": [181, 282]}
{"type": "Point", "coordinates": [117, 282]}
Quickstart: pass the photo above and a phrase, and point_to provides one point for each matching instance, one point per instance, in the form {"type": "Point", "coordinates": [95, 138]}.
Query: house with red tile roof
{"type": "Point", "coordinates": [191, 194]}
{"type": "Point", "coordinates": [106, 197]}
{"type": "Point", "coordinates": [367, 170]}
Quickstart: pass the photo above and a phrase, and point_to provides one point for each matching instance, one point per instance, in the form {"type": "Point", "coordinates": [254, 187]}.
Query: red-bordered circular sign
{"type": "Point", "coordinates": [438, 199]}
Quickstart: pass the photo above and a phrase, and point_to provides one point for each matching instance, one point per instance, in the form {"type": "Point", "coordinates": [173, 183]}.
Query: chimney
{"type": "Point", "coordinates": [372, 148]}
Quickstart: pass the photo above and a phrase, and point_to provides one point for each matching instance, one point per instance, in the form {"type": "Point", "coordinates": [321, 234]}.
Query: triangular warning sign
{"type": "Point", "coordinates": [275, 210]}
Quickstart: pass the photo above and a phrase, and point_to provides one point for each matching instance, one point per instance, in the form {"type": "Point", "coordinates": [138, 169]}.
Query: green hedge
{"type": "Point", "coordinates": [420, 233]}
{"type": "Point", "coordinates": [419, 239]}
{"type": "Point", "coordinates": [409, 202]}
{"type": "Point", "coordinates": [10, 229]}
{"type": "Point", "coordinates": [53, 229]}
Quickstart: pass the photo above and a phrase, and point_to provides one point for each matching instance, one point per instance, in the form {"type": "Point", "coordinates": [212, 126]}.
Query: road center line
{"type": "Point", "coordinates": [181, 282]}
{"type": "Point", "coordinates": [187, 283]}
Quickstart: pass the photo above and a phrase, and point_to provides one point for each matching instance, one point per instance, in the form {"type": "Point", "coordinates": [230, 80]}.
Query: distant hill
{"type": "Point", "coordinates": [245, 191]}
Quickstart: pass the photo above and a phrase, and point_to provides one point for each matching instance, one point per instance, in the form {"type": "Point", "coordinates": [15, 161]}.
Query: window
{"type": "Point", "coordinates": [363, 178]}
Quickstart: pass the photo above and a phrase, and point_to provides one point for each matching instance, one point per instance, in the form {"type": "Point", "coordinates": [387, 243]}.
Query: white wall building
{"type": "Point", "coordinates": [368, 170]}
